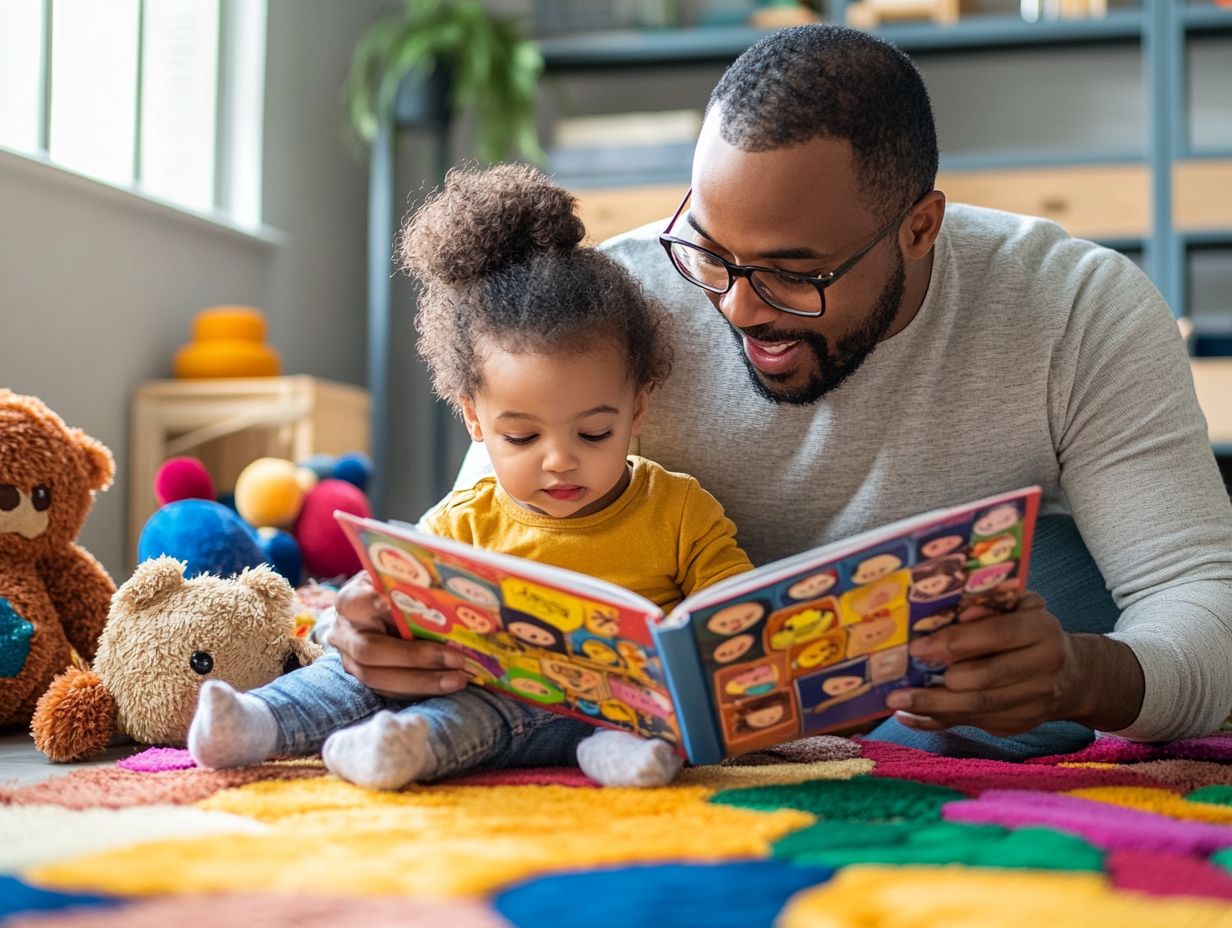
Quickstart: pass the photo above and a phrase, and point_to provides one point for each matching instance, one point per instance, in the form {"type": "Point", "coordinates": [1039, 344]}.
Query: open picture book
{"type": "Point", "coordinates": [805, 645]}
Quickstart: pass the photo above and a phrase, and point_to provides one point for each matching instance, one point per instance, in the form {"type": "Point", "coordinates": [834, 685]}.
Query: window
{"type": "Point", "coordinates": [163, 96]}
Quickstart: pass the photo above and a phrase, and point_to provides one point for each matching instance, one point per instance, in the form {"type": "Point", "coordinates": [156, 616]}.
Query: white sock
{"type": "Point", "coordinates": [231, 729]}
{"type": "Point", "coordinates": [387, 751]}
{"type": "Point", "coordinates": [617, 758]}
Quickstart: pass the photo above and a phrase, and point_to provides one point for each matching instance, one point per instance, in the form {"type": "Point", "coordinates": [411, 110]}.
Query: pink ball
{"type": "Point", "coordinates": [182, 478]}
{"type": "Point", "coordinates": [327, 553]}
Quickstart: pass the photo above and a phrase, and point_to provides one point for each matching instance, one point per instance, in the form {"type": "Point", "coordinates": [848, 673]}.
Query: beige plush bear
{"type": "Point", "coordinates": [164, 637]}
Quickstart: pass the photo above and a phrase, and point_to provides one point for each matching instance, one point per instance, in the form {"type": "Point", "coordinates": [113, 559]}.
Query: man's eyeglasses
{"type": "Point", "coordinates": [798, 294]}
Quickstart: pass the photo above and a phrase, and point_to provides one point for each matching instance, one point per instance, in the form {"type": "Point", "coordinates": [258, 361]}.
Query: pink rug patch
{"type": "Point", "coordinates": [1114, 828]}
{"type": "Point", "coordinates": [156, 760]}
{"type": "Point", "coordinates": [526, 776]}
{"type": "Point", "coordinates": [974, 775]}
{"type": "Point", "coordinates": [113, 788]}
{"type": "Point", "coordinates": [1167, 875]}
{"type": "Point", "coordinates": [1112, 750]}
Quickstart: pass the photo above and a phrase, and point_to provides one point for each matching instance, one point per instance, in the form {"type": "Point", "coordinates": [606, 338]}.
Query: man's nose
{"type": "Point", "coordinates": [743, 308]}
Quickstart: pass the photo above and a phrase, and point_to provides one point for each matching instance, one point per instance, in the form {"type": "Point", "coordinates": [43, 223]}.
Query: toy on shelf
{"type": "Point", "coordinates": [869, 14]}
{"type": "Point", "coordinates": [53, 593]}
{"type": "Point", "coordinates": [282, 516]}
{"type": "Point", "coordinates": [164, 637]}
{"type": "Point", "coordinates": [227, 341]}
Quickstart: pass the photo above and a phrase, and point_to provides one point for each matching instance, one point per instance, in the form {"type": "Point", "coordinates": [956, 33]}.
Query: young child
{"type": "Point", "coordinates": [549, 350]}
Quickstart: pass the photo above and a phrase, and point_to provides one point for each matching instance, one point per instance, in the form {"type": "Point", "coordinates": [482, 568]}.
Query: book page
{"type": "Point", "coordinates": [557, 639]}
{"type": "Point", "coordinates": [817, 645]}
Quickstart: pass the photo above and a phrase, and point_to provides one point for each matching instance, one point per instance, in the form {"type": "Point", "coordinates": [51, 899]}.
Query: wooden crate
{"type": "Point", "coordinates": [230, 423]}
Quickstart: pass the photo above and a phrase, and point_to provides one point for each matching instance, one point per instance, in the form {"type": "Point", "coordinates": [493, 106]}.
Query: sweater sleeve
{"type": "Point", "coordinates": [708, 549]}
{"type": "Point", "coordinates": [1140, 478]}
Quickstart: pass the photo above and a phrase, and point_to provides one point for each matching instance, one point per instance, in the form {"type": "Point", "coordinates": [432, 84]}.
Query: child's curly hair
{"type": "Point", "coordinates": [498, 258]}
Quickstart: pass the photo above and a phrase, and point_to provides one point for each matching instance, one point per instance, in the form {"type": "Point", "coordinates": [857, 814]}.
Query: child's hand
{"type": "Point", "coordinates": [388, 664]}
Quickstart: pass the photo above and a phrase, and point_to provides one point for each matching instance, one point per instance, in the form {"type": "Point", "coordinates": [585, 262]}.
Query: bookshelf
{"type": "Point", "coordinates": [1164, 195]}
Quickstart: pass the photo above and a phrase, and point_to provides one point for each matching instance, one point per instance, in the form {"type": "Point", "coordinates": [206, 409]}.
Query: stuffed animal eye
{"type": "Point", "coordinates": [10, 499]}
{"type": "Point", "coordinates": [201, 662]}
{"type": "Point", "coordinates": [40, 498]}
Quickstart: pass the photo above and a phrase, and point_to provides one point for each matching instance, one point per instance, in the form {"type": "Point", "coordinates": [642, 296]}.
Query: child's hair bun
{"type": "Point", "coordinates": [485, 219]}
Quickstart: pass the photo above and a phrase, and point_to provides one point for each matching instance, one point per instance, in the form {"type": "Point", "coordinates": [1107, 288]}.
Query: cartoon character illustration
{"type": "Point", "coordinates": [889, 664]}
{"type": "Point", "coordinates": [736, 618]}
{"type": "Point", "coordinates": [942, 540]}
{"type": "Point", "coordinates": [532, 631]}
{"type": "Point", "coordinates": [875, 567]}
{"type": "Point", "coordinates": [579, 682]}
{"type": "Point", "coordinates": [616, 711]}
{"type": "Point", "coordinates": [994, 550]}
{"type": "Point", "coordinates": [813, 585]}
{"type": "Point", "coordinates": [733, 649]}
{"type": "Point", "coordinates": [997, 519]}
{"type": "Point", "coordinates": [401, 565]}
{"type": "Point", "coordinates": [844, 683]}
{"type": "Point", "coordinates": [603, 622]}
{"type": "Point", "coordinates": [476, 620]}
{"type": "Point", "coordinates": [819, 653]}
{"type": "Point", "coordinates": [938, 578]}
{"type": "Point", "coordinates": [635, 657]}
{"type": "Point", "coordinates": [985, 578]}
{"type": "Point", "coordinates": [887, 596]}
{"type": "Point", "coordinates": [466, 585]}
{"type": "Point", "coordinates": [801, 623]}
{"type": "Point", "coordinates": [930, 623]}
{"type": "Point", "coordinates": [755, 680]}
{"type": "Point", "coordinates": [875, 632]}
{"type": "Point", "coordinates": [760, 717]}
{"type": "Point", "coordinates": [418, 612]}
{"type": "Point", "coordinates": [600, 652]}
{"type": "Point", "coordinates": [1001, 598]}
{"type": "Point", "coordinates": [532, 686]}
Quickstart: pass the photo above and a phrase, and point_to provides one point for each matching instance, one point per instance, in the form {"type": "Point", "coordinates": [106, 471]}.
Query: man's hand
{"type": "Point", "coordinates": [1009, 672]}
{"type": "Point", "coordinates": [388, 664]}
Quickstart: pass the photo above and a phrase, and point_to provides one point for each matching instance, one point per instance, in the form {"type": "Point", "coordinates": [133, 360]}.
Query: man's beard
{"type": "Point", "coordinates": [833, 367]}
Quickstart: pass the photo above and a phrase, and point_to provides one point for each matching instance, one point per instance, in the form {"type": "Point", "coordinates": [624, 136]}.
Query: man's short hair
{"type": "Point", "coordinates": [826, 81]}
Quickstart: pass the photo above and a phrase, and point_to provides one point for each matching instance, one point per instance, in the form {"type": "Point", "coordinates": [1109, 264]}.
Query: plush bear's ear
{"type": "Point", "coordinates": [100, 465]}
{"type": "Point", "coordinates": [270, 586]}
{"type": "Point", "coordinates": [75, 718]}
{"type": "Point", "coordinates": [150, 582]}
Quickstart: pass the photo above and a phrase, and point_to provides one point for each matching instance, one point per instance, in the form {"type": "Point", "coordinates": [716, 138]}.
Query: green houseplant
{"type": "Point", "coordinates": [478, 61]}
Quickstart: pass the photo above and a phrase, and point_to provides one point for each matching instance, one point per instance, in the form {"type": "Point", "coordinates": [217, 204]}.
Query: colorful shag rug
{"type": "Point", "coordinates": [824, 832]}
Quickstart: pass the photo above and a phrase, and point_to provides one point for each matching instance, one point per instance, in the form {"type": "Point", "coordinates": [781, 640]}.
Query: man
{"type": "Point", "coordinates": [876, 353]}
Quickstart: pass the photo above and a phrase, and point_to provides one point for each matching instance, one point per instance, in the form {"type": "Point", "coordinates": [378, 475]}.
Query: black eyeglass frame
{"type": "Point", "coordinates": [736, 271]}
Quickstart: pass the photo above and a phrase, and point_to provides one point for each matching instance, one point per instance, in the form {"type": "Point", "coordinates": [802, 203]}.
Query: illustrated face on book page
{"type": "Point", "coordinates": [557, 425]}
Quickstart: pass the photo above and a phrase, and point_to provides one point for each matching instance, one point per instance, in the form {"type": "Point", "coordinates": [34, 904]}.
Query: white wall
{"type": "Point", "coordinates": [97, 288]}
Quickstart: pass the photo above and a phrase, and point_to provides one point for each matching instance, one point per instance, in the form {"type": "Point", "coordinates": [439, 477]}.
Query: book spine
{"type": "Point", "coordinates": [690, 694]}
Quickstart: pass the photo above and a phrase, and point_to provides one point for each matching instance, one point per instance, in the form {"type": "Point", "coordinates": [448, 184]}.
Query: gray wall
{"type": "Point", "coordinates": [97, 288]}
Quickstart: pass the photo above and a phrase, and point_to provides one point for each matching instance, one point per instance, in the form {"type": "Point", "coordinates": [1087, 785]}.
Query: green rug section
{"type": "Point", "coordinates": [879, 800]}
{"type": "Point", "coordinates": [1219, 795]}
{"type": "Point", "coordinates": [839, 843]}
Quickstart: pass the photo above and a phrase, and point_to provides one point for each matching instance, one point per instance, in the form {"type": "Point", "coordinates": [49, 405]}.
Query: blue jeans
{"type": "Point", "coordinates": [466, 730]}
{"type": "Point", "coordinates": [1064, 573]}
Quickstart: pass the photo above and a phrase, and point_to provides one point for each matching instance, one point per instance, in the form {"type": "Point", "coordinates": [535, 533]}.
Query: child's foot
{"type": "Point", "coordinates": [231, 729]}
{"type": "Point", "coordinates": [386, 752]}
{"type": "Point", "coordinates": [617, 758]}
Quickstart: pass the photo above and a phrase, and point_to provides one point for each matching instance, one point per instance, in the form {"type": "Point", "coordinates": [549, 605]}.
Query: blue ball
{"type": "Point", "coordinates": [355, 468]}
{"type": "Point", "coordinates": [320, 464]}
{"type": "Point", "coordinates": [208, 536]}
{"type": "Point", "coordinates": [282, 550]}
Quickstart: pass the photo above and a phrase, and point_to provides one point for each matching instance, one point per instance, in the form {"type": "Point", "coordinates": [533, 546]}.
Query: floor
{"type": "Point", "coordinates": [21, 763]}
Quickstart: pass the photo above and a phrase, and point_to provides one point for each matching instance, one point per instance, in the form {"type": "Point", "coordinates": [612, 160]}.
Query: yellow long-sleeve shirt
{"type": "Point", "coordinates": [664, 537]}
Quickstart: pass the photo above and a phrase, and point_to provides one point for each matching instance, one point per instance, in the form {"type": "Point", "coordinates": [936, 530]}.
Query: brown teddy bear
{"type": "Point", "coordinates": [164, 637]}
{"type": "Point", "coordinates": [53, 593]}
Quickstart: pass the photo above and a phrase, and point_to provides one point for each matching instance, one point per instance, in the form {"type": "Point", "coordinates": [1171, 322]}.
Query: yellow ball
{"type": "Point", "coordinates": [268, 493]}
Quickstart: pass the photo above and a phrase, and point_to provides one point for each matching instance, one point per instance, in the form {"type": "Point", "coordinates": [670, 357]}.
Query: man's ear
{"type": "Point", "coordinates": [641, 403]}
{"type": "Point", "coordinates": [471, 419]}
{"type": "Point", "coordinates": [924, 225]}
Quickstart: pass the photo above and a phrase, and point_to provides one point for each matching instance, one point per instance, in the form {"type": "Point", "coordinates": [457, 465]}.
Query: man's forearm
{"type": "Point", "coordinates": [1107, 684]}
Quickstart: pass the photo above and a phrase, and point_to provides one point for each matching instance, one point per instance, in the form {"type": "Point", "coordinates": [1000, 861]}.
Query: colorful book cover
{"type": "Point", "coordinates": [809, 644]}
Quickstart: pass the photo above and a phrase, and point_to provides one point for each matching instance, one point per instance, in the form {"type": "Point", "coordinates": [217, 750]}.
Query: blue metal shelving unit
{"type": "Point", "coordinates": [1160, 27]}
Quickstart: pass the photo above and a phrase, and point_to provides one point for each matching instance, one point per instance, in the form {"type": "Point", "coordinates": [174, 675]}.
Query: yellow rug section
{"type": "Point", "coordinates": [327, 836]}
{"type": "Point", "coordinates": [1159, 801]}
{"type": "Point", "coordinates": [955, 897]}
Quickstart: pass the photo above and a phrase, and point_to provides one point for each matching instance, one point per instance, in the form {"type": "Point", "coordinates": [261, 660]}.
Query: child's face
{"type": "Point", "coordinates": [558, 426]}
